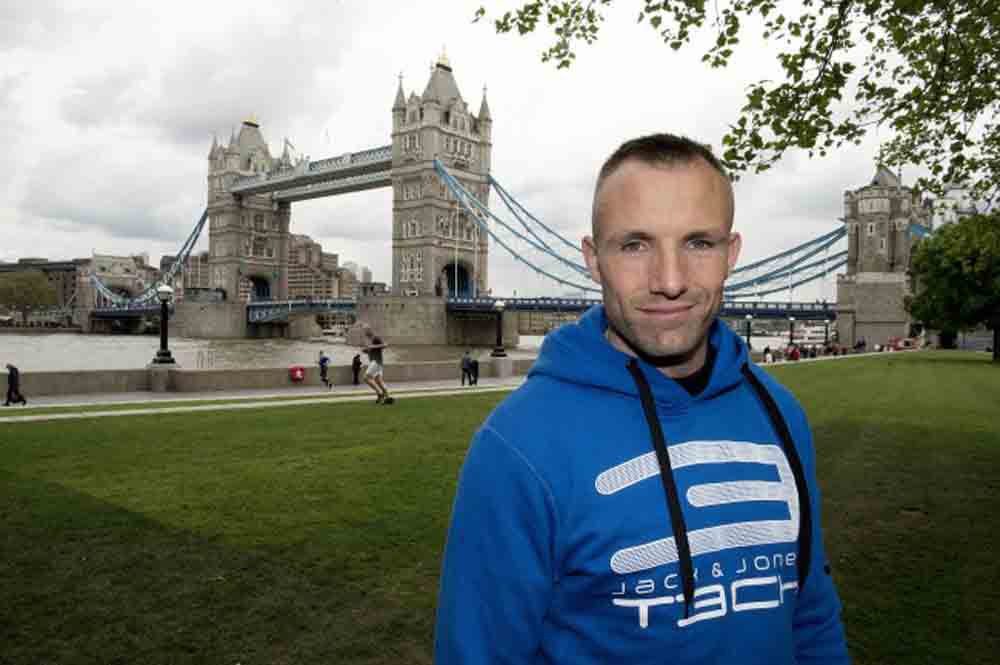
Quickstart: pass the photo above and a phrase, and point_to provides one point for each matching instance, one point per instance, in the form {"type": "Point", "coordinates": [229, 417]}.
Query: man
{"type": "Point", "coordinates": [14, 395]}
{"type": "Point", "coordinates": [324, 368]}
{"type": "Point", "coordinates": [356, 367]}
{"type": "Point", "coordinates": [467, 369]}
{"type": "Point", "coordinates": [373, 373]}
{"type": "Point", "coordinates": [648, 495]}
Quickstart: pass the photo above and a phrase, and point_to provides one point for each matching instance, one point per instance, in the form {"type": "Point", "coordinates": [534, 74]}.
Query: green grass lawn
{"type": "Point", "coordinates": [313, 534]}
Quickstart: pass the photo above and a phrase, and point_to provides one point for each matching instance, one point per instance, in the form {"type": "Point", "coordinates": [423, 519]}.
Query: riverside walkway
{"type": "Point", "coordinates": [103, 405]}
{"type": "Point", "coordinates": [64, 407]}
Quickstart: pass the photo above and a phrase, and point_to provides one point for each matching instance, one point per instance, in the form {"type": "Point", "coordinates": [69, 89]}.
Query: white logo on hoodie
{"type": "Point", "coordinates": [712, 539]}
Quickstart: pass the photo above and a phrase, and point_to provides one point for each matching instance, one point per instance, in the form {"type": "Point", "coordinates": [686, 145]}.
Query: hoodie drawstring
{"type": "Point", "coordinates": [677, 523]}
{"type": "Point", "coordinates": [794, 461]}
{"type": "Point", "coordinates": [669, 485]}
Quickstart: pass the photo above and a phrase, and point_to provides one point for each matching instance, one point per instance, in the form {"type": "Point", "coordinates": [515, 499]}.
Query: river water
{"type": "Point", "coordinates": [74, 351]}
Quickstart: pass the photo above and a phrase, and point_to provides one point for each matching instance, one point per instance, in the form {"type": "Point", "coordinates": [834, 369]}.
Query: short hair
{"type": "Point", "coordinates": [657, 150]}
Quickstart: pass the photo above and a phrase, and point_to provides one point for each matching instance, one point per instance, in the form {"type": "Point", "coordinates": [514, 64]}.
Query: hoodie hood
{"type": "Point", "coordinates": [580, 354]}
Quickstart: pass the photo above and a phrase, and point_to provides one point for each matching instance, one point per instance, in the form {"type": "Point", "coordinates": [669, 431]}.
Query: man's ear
{"type": "Point", "coordinates": [735, 245]}
{"type": "Point", "coordinates": [590, 256]}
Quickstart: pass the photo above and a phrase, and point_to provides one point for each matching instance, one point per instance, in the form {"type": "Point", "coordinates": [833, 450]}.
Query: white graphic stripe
{"type": "Point", "coordinates": [705, 541]}
{"type": "Point", "coordinates": [625, 475]}
{"type": "Point", "coordinates": [718, 494]}
{"type": "Point", "coordinates": [722, 537]}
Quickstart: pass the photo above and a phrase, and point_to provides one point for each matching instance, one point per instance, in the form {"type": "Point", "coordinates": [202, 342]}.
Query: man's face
{"type": "Point", "coordinates": [664, 247]}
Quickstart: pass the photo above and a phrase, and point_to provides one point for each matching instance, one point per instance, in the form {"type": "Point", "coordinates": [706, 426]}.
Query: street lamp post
{"type": "Point", "coordinates": [791, 330]}
{"type": "Point", "coordinates": [826, 332]}
{"type": "Point", "coordinates": [163, 357]}
{"type": "Point", "coordinates": [749, 318]}
{"type": "Point", "coordinates": [498, 350]}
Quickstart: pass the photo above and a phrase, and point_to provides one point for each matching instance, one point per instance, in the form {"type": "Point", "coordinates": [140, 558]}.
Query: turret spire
{"type": "Point", "coordinates": [400, 102]}
{"type": "Point", "coordinates": [484, 108]}
{"type": "Point", "coordinates": [443, 58]}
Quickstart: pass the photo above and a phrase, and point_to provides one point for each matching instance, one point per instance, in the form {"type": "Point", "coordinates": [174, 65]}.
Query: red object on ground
{"type": "Point", "coordinates": [297, 373]}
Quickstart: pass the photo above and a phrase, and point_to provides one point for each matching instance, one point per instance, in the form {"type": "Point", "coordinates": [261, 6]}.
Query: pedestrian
{"type": "Point", "coordinates": [475, 371]}
{"type": "Point", "coordinates": [467, 369]}
{"type": "Point", "coordinates": [648, 495]}
{"type": "Point", "coordinates": [356, 367]}
{"type": "Point", "coordinates": [324, 366]}
{"type": "Point", "coordinates": [768, 355]}
{"type": "Point", "coordinates": [373, 373]}
{"type": "Point", "coordinates": [14, 395]}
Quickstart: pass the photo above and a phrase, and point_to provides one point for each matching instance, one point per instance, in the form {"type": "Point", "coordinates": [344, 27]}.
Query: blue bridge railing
{"type": "Point", "coordinates": [758, 309]}
{"type": "Point", "coordinates": [268, 311]}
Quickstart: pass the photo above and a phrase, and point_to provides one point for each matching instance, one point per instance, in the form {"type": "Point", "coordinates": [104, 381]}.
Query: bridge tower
{"type": "Point", "coordinates": [884, 219]}
{"type": "Point", "coordinates": [248, 235]}
{"type": "Point", "coordinates": [436, 248]}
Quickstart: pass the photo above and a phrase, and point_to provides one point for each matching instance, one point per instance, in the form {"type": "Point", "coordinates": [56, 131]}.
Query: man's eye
{"type": "Point", "coordinates": [632, 246]}
{"type": "Point", "coordinates": [700, 244]}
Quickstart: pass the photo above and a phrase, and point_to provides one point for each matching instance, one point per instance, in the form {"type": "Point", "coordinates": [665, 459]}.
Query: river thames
{"type": "Point", "coordinates": [75, 351]}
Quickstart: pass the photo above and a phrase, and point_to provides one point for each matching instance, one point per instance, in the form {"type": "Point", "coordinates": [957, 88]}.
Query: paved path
{"type": "Point", "coordinates": [150, 403]}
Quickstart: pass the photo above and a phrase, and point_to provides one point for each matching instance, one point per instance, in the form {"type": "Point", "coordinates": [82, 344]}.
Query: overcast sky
{"type": "Point", "coordinates": [108, 109]}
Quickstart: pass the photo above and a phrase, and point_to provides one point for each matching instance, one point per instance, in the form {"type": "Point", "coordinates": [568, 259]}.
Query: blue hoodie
{"type": "Point", "coordinates": [562, 548]}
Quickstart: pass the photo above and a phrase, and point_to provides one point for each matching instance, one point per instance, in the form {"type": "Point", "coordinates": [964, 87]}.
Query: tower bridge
{"type": "Point", "coordinates": [438, 167]}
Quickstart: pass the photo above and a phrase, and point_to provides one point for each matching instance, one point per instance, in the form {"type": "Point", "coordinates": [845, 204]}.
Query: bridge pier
{"type": "Point", "coordinates": [210, 320]}
{"type": "Point", "coordinates": [480, 329]}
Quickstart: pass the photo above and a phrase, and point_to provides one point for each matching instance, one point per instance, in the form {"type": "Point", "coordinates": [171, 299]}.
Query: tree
{"type": "Point", "coordinates": [957, 277]}
{"type": "Point", "coordinates": [926, 70]}
{"type": "Point", "coordinates": [23, 290]}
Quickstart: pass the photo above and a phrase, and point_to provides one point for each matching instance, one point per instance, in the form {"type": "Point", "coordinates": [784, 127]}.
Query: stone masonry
{"type": "Point", "coordinates": [884, 222]}
{"type": "Point", "coordinates": [436, 248]}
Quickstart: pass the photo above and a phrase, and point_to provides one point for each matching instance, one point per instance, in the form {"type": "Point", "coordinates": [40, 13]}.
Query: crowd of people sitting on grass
{"type": "Point", "coordinates": [795, 351]}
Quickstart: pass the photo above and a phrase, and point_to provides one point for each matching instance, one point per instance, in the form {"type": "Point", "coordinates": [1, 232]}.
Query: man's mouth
{"type": "Point", "coordinates": [666, 311]}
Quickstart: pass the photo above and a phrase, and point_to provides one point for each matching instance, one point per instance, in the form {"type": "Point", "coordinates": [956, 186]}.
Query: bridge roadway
{"type": "Point", "coordinates": [270, 311]}
{"type": "Point", "coordinates": [350, 172]}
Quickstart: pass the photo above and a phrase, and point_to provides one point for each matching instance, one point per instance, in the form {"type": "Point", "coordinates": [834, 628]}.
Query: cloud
{"type": "Point", "coordinates": [106, 98]}
{"type": "Point", "coordinates": [42, 22]}
{"type": "Point", "coordinates": [138, 191]}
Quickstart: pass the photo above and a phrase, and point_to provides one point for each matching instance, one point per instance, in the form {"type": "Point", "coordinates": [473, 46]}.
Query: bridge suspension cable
{"type": "Point", "coordinates": [479, 213]}
{"type": "Point", "coordinates": [783, 271]}
{"type": "Point", "coordinates": [508, 200]}
{"type": "Point", "coordinates": [150, 293]}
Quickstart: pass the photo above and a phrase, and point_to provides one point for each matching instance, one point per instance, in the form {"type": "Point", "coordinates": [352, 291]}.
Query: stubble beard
{"type": "Point", "coordinates": [680, 345]}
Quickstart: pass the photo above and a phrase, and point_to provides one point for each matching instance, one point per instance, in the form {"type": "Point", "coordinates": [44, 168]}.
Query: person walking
{"type": "Point", "coordinates": [14, 395]}
{"type": "Point", "coordinates": [356, 367]}
{"type": "Point", "coordinates": [324, 368]}
{"type": "Point", "coordinates": [374, 371]}
{"type": "Point", "coordinates": [648, 494]}
{"type": "Point", "coordinates": [467, 370]}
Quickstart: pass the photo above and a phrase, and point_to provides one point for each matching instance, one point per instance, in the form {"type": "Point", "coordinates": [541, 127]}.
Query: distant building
{"type": "Point", "coordinates": [373, 289]}
{"type": "Point", "coordinates": [366, 274]}
{"type": "Point", "coordinates": [64, 276]}
{"type": "Point", "coordinates": [194, 274]}
{"type": "Point", "coordinates": [311, 271]}
{"type": "Point", "coordinates": [953, 206]}
{"type": "Point", "coordinates": [884, 222]}
{"type": "Point", "coordinates": [349, 282]}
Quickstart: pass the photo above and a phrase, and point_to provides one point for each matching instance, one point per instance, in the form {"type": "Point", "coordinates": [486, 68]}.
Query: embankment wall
{"type": "Point", "coordinates": [34, 384]}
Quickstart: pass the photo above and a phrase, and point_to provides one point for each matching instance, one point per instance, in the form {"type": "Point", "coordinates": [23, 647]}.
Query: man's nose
{"type": "Point", "coordinates": [668, 272]}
